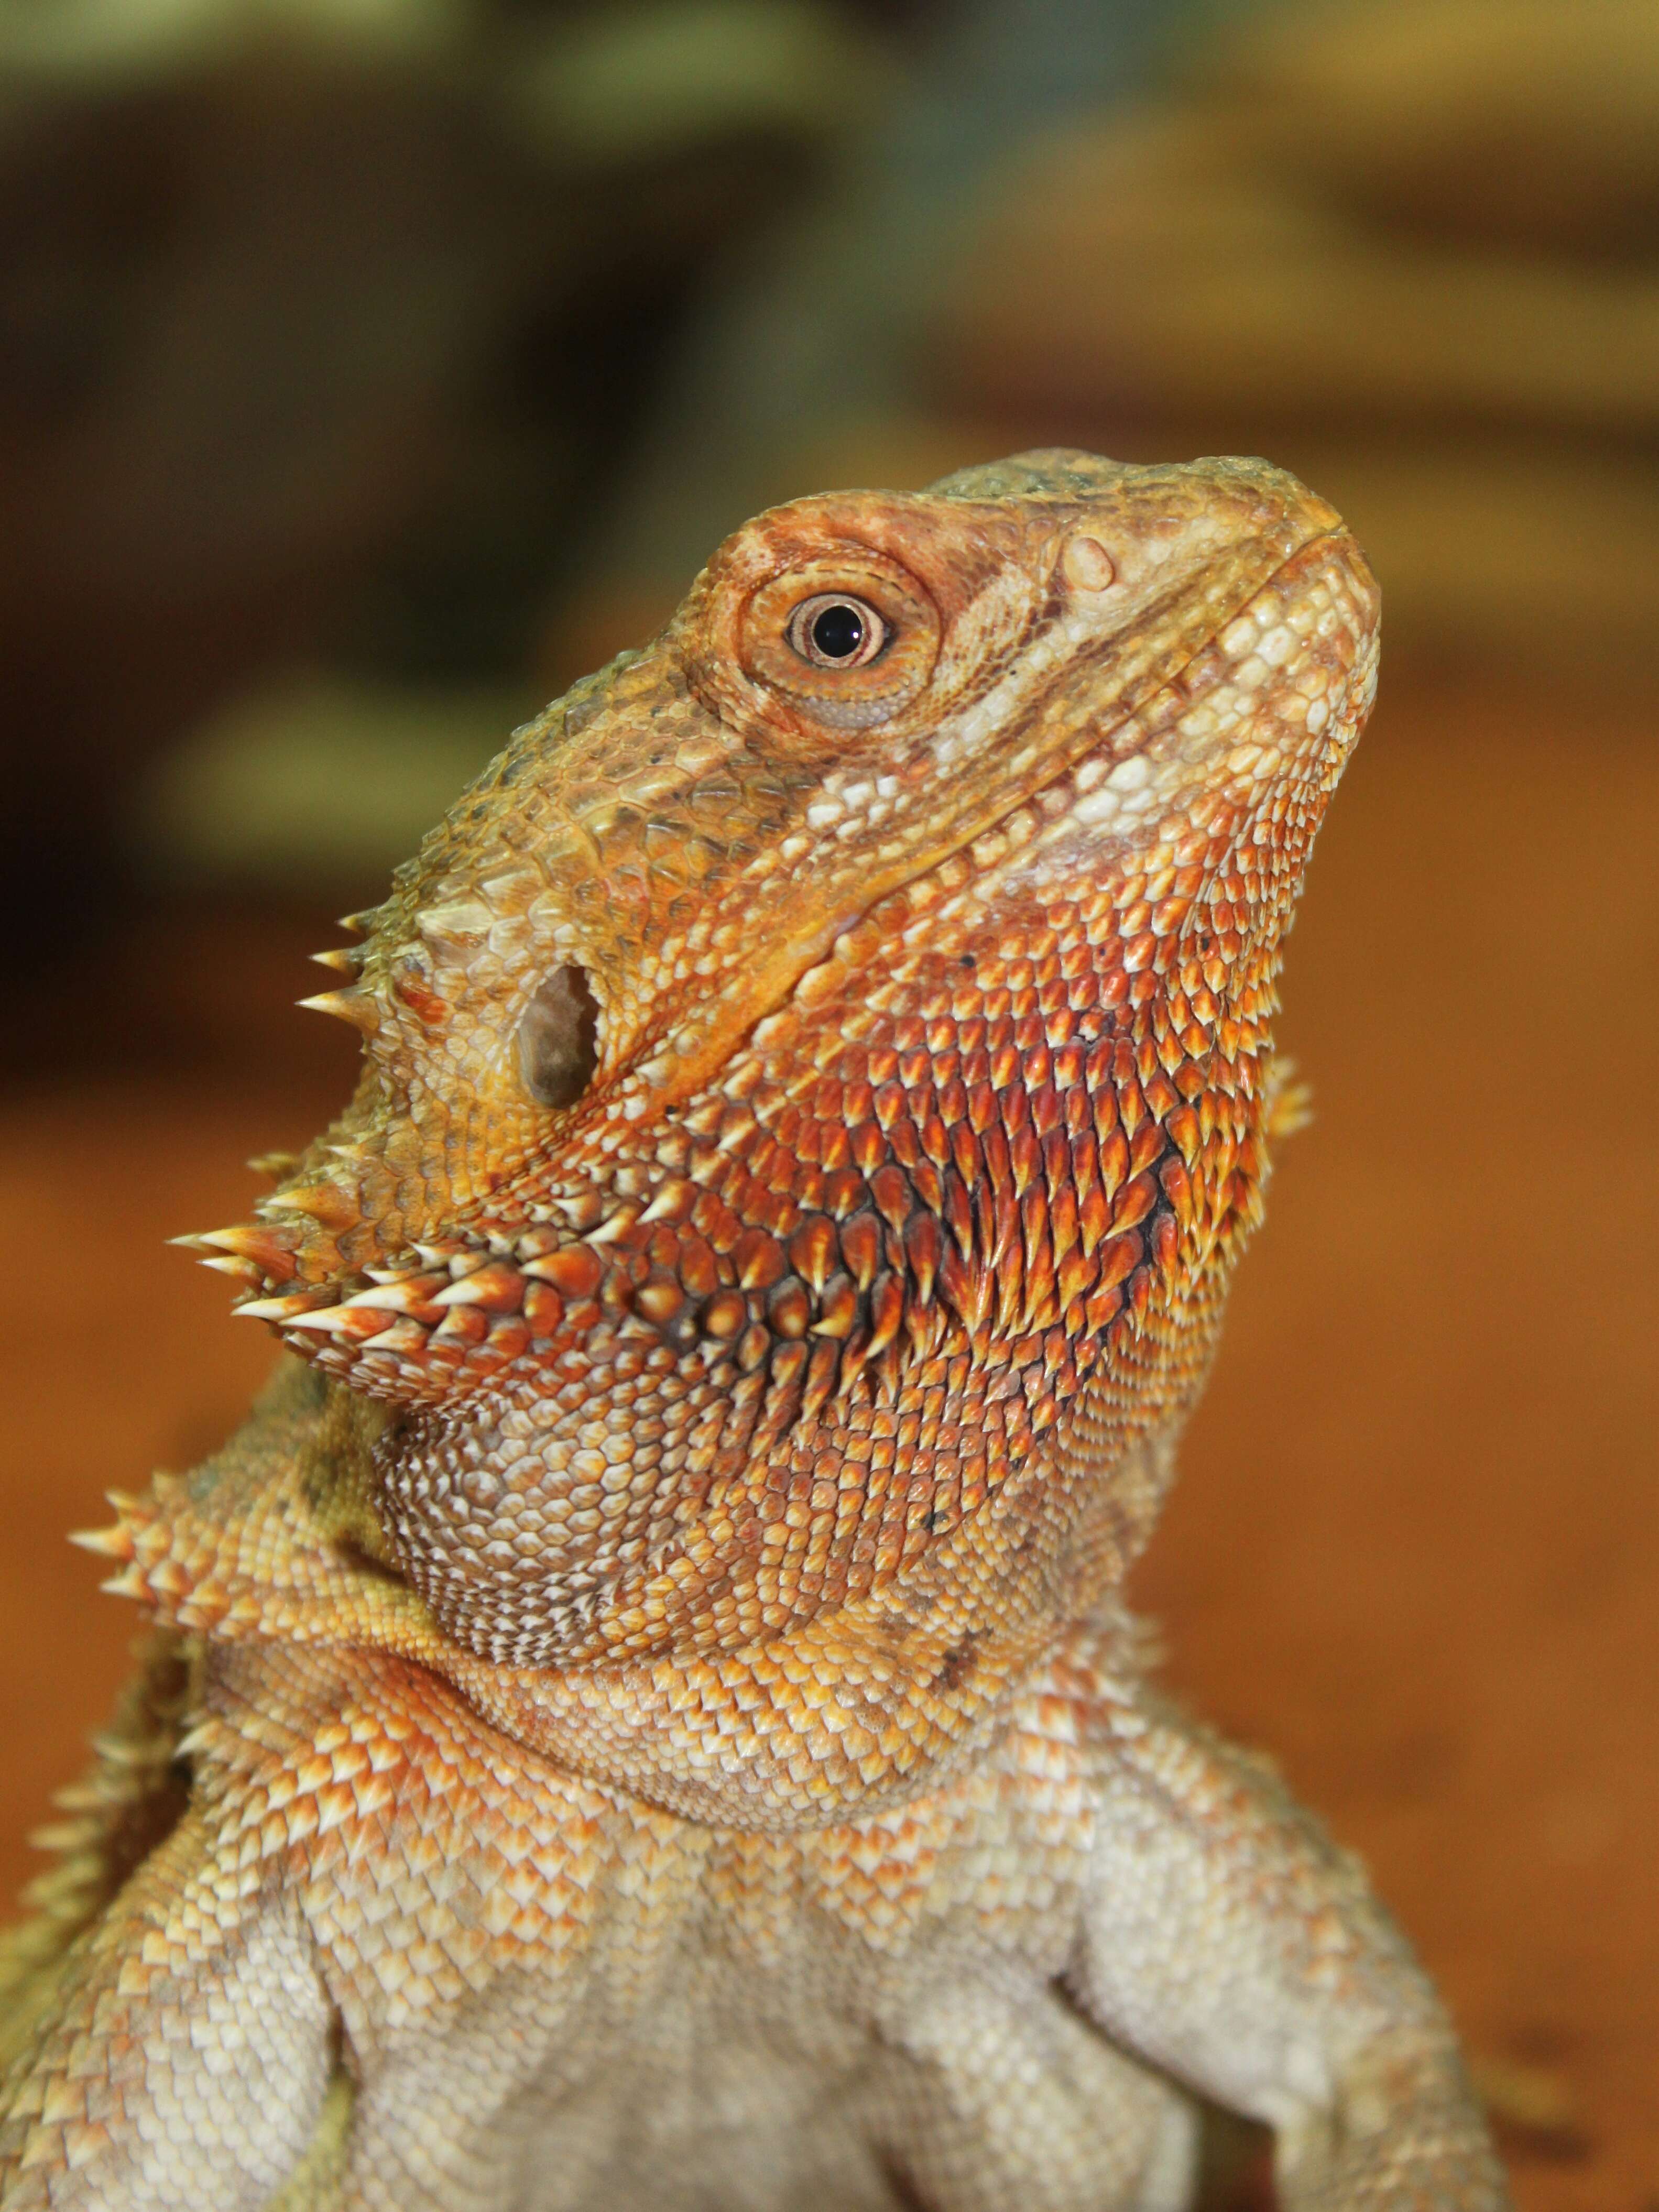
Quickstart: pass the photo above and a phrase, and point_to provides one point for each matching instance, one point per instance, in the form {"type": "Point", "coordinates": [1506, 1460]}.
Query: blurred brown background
{"type": "Point", "coordinates": [370, 368]}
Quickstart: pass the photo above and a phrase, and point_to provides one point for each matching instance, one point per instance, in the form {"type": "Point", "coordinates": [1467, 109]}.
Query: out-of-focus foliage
{"type": "Point", "coordinates": [323, 324]}
{"type": "Point", "coordinates": [419, 350]}
{"type": "Point", "coordinates": [1409, 247]}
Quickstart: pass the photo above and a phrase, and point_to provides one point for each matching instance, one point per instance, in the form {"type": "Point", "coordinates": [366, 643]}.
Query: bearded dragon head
{"type": "Point", "coordinates": [814, 1082]}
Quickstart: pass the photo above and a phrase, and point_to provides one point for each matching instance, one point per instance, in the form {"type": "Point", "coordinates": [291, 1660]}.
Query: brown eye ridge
{"type": "Point", "coordinates": [833, 629]}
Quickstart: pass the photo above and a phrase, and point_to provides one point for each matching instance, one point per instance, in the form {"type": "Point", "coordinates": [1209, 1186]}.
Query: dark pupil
{"type": "Point", "coordinates": [838, 632]}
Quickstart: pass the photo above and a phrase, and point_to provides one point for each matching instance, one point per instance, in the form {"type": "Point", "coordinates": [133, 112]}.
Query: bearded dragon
{"type": "Point", "coordinates": [643, 1715]}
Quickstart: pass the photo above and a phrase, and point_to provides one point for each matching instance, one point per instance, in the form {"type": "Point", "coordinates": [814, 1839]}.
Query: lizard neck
{"type": "Point", "coordinates": [863, 1702]}
{"type": "Point", "coordinates": [862, 1706]}
{"type": "Point", "coordinates": [279, 1539]}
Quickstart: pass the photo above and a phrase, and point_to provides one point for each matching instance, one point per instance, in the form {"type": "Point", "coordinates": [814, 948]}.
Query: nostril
{"type": "Point", "coordinates": [559, 1039]}
{"type": "Point", "coordinates": [1087, 566]}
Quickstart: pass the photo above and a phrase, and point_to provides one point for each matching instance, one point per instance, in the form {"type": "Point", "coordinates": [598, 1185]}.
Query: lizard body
{"type": "Point", "coordinates": [641, 1713]}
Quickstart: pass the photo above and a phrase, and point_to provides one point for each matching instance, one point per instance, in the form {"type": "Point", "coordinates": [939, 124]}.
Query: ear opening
{"type": "Point", "coordinates": [559, 1038]}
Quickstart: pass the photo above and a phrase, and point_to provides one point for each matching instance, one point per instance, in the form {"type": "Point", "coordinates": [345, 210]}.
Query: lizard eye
{"type": "Point", "coordinates": [846, 638]}
{"type": "Point", "coordinates": [559, 1039]}
{"type": "Point", "coordinates": [834, 630]}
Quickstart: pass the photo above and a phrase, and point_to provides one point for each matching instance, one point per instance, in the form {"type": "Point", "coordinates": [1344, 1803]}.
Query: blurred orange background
{"type": "Point", "coordinates": [371, 368]}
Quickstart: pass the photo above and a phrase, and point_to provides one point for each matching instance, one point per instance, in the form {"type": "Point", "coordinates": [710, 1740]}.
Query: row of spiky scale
{"type": "Point", "coordinates": [847, 1287]}
{"type": "Point", "coordinates": [142, 1542]}
{"type": "Point", "coordinates": [262, 1252]}
{"type": "Point", "coordinates": [1006, 1226]}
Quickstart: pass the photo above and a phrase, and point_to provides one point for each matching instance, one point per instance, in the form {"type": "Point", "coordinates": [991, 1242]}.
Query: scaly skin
{"type": "Point", "coordinates": [658, 1728]}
